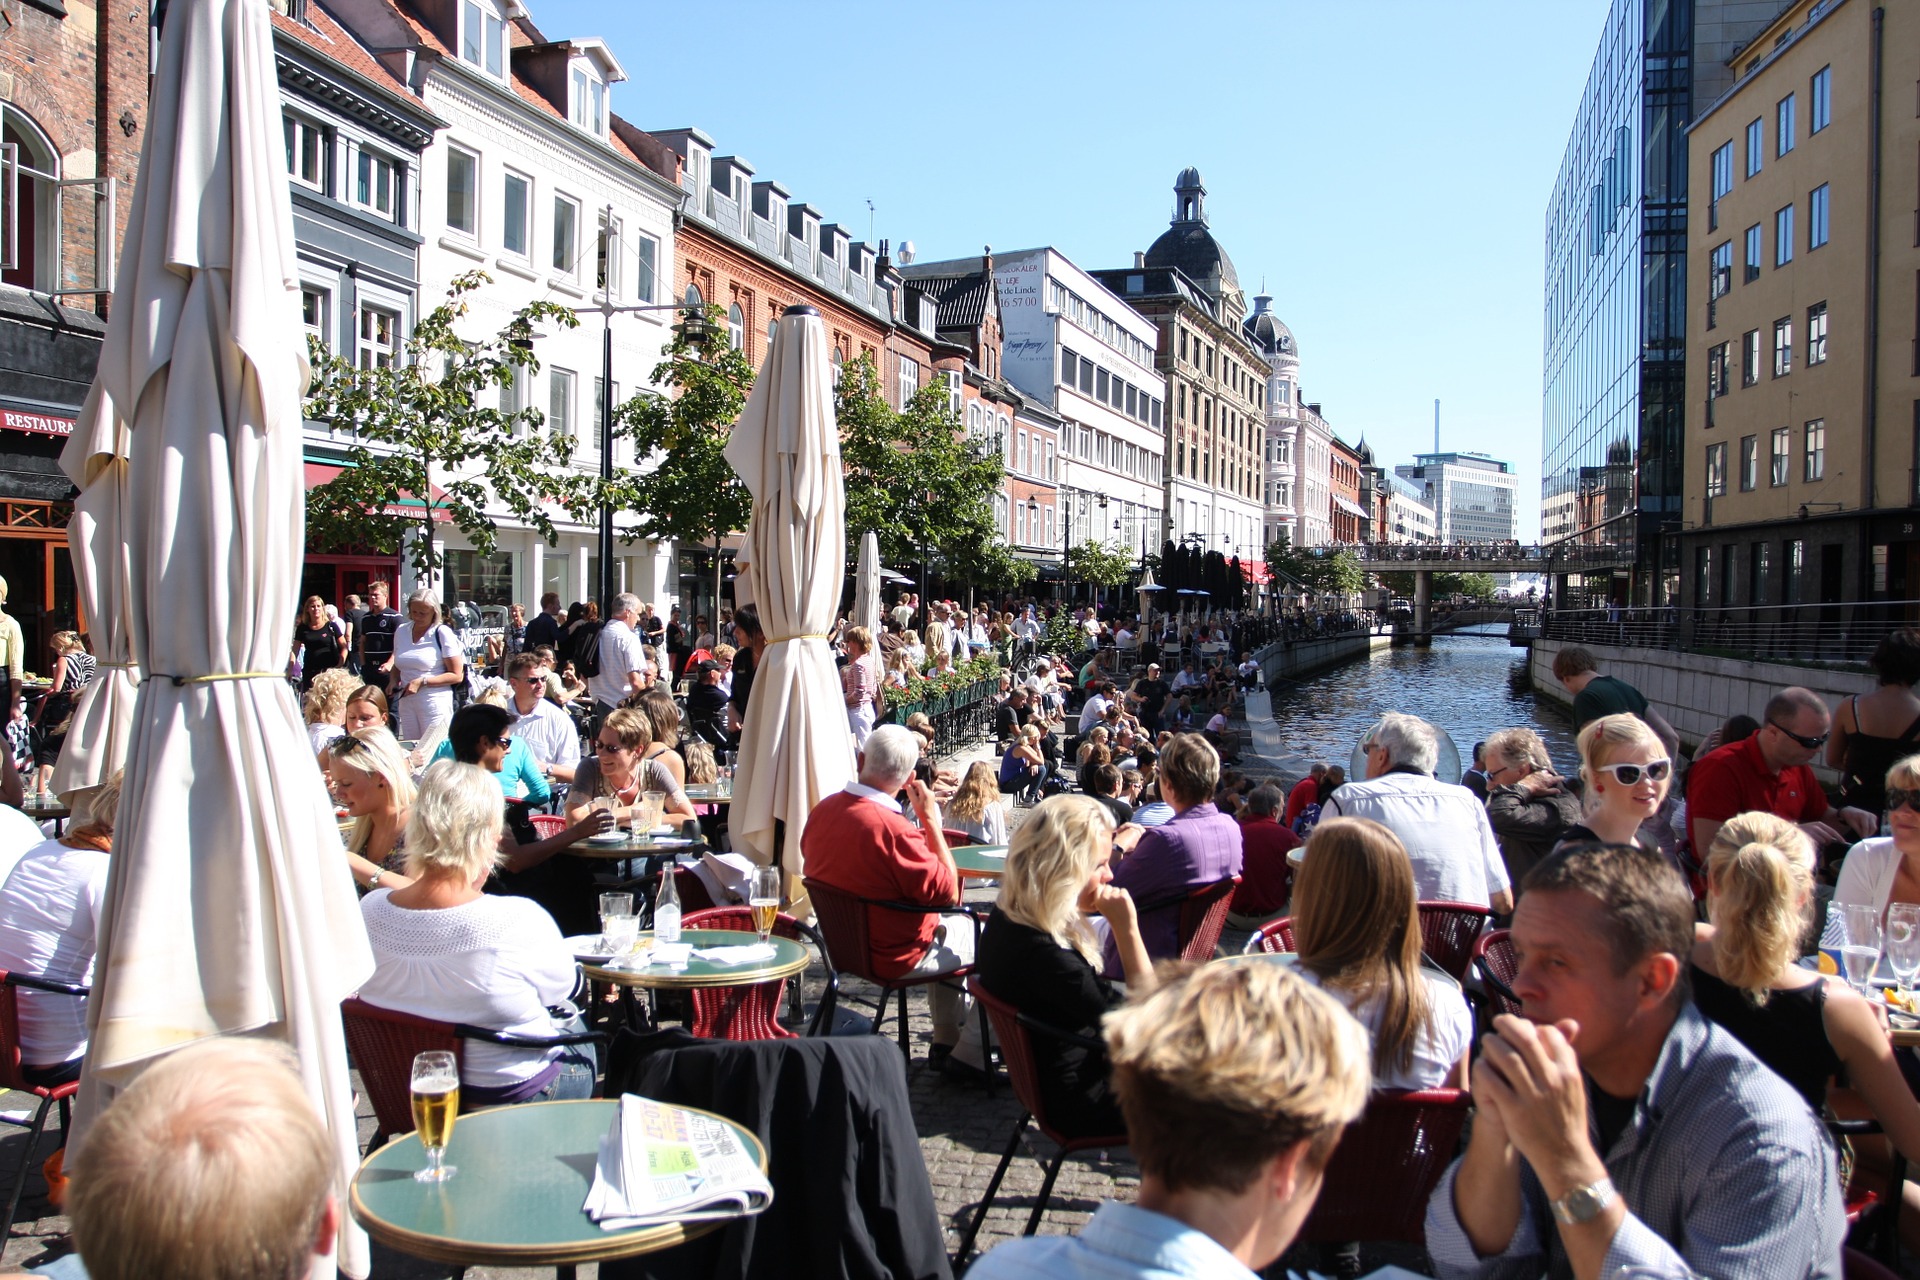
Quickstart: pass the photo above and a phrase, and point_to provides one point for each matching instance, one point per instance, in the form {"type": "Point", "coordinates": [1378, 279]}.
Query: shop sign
{"type": "Point", "coordinates": [39, 424]}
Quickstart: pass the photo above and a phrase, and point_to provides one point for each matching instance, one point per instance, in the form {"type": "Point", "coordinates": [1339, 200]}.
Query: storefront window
{"type": "Point", "coordinates": [480, 580]}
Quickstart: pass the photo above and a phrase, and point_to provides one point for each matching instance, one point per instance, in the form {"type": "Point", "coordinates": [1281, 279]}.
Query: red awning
{"type": "Point", "coordinates": [318, 473]}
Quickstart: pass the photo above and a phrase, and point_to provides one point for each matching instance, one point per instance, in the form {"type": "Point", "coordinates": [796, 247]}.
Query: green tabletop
{"type": "Point", "coordinates": [981, 861]}
{"type": "Point", "coordinates": [523, 1174]}
{"type": "Point", "coordinates": [709, 793]}
{"type": "Point", "coordinates": [789, 958]}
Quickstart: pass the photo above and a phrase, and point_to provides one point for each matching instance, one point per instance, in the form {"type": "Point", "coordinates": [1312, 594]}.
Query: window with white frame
{"type": "Point", "coordinates": [954, 397]}
{"type": "Point", "coordinates": [1815, 460]}
{"type": "Point", "coordinates": [644, 281]}
{"type": "Point", "coordinates": [1020, 452]}
{"type": "Point", "coordinates": [1051, 460]}
{"type": "Point", "coordinates": [909, 380]}
{"type": "Point", "coordinates": [483, 36]}
{"type": "Point", "coordinates": [315, 303]}
{"type": "Point", "coordinates": [516, 217]}
{"type": "Point", "coordinates": [513, 390]}
{"type": "Point", "coordinates": [463, 189]}
{"type": "Point", "coordinates": [307, 146]}
{"type": "Point", "coordinates": [599, 410]}
{"type": "Point", "coordinates": [560, 401]}
{"type": "Point", "coordinates": [376, 183]}
{"type": "Point", "coordinates": [589, 99]}
{"type": "Point", "coordinates": [606, 267]}
{"type": "Point", "coordinates": [1051, 536]}
{"type": "Point", "coordinates": [566, 234]}
{"type": "Point", "coordinates": [1020, 523]}
{"type": "Point", "coordinates": [1817, 333]}
{"type": "Point", "coordinates": [379, 337]}
{"type": "Point", "coordinates": [1780, 456]}
{"type": "Point", "coordinates": [737, 327]}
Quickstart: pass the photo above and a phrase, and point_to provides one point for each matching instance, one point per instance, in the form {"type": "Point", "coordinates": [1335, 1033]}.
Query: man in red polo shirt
{"type": "Point", "coordinates": [859, 841]}
{"type": "Point", "coordinates": [1768, 773]}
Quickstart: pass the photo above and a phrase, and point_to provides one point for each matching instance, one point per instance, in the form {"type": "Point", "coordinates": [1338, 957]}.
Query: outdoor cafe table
{"type": "Point", "coordinates": [980, 861]}
{"type": "Point", "coordinates": [790, 959]}
{"type": "Point", "coordinates": [522, 1175]}
{"type": "Point", "coordinates": [636, 846]}
{"type": "Point", "coordinates": [709, 793]}
{"type": "Point", "coordinates": [46, 808]}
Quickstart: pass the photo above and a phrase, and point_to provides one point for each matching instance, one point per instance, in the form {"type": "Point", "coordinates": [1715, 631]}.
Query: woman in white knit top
{"type": "Point", "coordinates": [447, 951]}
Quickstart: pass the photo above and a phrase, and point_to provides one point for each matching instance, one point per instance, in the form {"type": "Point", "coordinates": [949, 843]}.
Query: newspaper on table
{"type": "Point", "coordinates": [661, 1164]}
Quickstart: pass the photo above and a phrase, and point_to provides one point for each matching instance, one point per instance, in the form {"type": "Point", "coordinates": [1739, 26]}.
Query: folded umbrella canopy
{"type": "Point", "coordinates": [866, 586]}
{"type": "Point", "coordinates": [229, 907]}
{"type": "Point", "coordinates": [795, 749]}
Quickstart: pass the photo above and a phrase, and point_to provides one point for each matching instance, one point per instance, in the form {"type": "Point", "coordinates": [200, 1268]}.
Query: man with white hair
{"type": "Point", "coordinates": [623, 657]}
{"type": "Point", "coordinates": [1442, 824]}
{"type": "Point", "coordinates": [860, 842]}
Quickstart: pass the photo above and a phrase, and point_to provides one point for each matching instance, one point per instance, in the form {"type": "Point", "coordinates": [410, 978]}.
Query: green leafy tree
{"type": "Point", "coordinates": [430, 440]}
{"type": "Point", "coordinates": [988, 562]}
{"type": "Point", "coordinates": [912, 475]}
{"type": "Point", "coordinates": [687, 491]}
{"type": "Point", "coordinates": [1104, 564]}
{"type": "Point", "coordinates": [1321, 572]}
{"type": "Point", "coordinates": [1401, 583]}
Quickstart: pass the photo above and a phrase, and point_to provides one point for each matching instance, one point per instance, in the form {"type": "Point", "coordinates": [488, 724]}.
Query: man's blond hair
{"type": "Point", "coordinates": [212, 1166]}
{"type": "Point", "coordinates": [1225, 1066]}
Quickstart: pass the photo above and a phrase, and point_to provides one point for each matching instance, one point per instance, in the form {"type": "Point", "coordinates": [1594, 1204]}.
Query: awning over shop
{"type": "Point", "coordinates": [318, 473]}
{"type": "Point", "coordinates": [1351, 507]}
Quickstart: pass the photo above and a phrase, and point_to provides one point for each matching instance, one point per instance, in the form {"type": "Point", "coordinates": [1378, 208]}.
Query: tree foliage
{"type": "Point", "coordinates": [1103, 564]}
{"type": "Point", "coordinates": [912, 476]}
{"type": "Point", "coordinates": [429, 436]}
{"type": "Point", "coordinates": [1321, 572]}
{"type": "Point", "coordinates": [687, 491]}
{"type": "Point", "coordinates": [1400, 583]}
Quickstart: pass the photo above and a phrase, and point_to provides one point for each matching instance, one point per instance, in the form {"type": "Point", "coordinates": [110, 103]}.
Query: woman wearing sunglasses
{"type": "Point", "coordinates": [1626, 771]}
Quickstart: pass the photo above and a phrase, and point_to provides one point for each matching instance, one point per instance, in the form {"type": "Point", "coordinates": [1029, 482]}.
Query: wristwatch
{"type": "Point", "coordinates": [1584, 1204]}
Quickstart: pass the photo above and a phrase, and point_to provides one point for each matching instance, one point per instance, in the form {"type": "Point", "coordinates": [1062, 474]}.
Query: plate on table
{"type": "Point", "coordinates": [608, 837]}
{"type": "Point", "coordinates": [589, 948]}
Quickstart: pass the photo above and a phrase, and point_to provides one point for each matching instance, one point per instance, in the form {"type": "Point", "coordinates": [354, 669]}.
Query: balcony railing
{"type": "Point", "coordinates": [1839, 632]}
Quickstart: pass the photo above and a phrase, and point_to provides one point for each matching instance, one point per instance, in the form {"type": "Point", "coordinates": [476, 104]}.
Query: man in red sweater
{"type": "Point", "coordinates": [1266, 877]}
{"type": "Point", "coordinates": [1305, 792]}
{"type": "Point", "coordinates": [860, 841]}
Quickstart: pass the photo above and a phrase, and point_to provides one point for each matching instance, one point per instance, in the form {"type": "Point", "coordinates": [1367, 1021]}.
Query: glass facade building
{"type": "Point", "coordinates": [1615, 310]}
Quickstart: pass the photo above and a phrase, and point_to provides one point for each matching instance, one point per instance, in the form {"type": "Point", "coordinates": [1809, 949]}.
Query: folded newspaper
{"type": "Point", "coordinates": [661, 1164]}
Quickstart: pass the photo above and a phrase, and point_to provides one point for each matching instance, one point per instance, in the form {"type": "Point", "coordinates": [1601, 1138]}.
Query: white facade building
{"type": "Point", "coordinates": [1472, 495]}
{"type": "Point", "coordinates": [532, 182]}
{"type": "Point", "coordinates": [1073, 345]}
{"type": "Point", "coordinates": [1409, 518]}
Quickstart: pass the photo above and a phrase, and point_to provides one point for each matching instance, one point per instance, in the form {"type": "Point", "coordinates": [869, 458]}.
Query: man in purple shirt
{"type": "Point", "coordinates": [1198, 846]}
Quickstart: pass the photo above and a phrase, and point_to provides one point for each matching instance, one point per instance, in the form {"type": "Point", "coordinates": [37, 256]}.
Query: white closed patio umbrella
{"type": "Point", "coordinates": [794, 749]}
{"type": "Point", "coordinates": [866, 585]}
{"type": "Point", "coordinates": [229, 908]}
{"type": "Point", "coordinates": [95, 459]}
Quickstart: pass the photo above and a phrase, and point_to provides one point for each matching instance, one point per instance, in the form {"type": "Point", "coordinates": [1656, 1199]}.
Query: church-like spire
{"type": "Point", "coordinates": [1189, 198]}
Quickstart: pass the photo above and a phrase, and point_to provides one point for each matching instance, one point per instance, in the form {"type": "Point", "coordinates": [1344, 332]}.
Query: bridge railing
{"type": "Point", "coordinates": [1555, 557]}
{"type": "Point", "coordinates": [1841, 631]}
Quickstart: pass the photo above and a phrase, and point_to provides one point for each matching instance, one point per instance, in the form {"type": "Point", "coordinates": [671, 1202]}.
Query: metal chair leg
{"type": "Point", "coordinates": [1046, 1191]}
{"type": "Point", "coordinates": [906, 1043]}
{"type": "Point", "coordinates": [26, 1162]}
{"type": "Point", "coordinates": [986, 1201]}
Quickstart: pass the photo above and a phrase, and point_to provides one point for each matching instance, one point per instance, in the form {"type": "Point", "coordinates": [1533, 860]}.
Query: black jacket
{"type": "Point", "coordinates": [851, 1199]}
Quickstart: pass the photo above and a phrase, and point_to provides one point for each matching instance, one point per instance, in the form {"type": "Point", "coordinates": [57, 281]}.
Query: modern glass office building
{"type": "Point", "coordinates": [1615, 307]}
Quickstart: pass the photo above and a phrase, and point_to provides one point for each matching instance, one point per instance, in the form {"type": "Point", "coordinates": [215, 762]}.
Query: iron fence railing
{"type": "Point", "coordinates": [1841, 631]}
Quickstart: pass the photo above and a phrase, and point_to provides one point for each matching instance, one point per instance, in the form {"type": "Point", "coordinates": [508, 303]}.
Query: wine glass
{"type": "Point", "coordinates": [436, 1101]}
{"type": "Point", "coordinates": [1860, 951]}
{"type": "Point", "coordinates": [1903, 947]}
{"type": "Point", "coordinates": [764, 899]}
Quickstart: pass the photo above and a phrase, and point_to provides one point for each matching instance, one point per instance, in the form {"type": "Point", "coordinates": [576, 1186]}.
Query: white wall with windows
{"type": "Point", "coordinates": [552, 209]}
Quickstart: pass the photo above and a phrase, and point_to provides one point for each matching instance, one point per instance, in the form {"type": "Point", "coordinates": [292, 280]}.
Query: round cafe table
{"type": "Point", "coordinates": [709, 793]}
{"type": "Point", "coordinates": [980, 861]}
{"type": "Point", "coordinates": [789, 959]}
{"type": "Point", "coordinates": [522, 1176]}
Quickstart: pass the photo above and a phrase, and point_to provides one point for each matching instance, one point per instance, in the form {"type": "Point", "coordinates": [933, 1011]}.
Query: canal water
{"type": "Point", "coordinates": [1471, 683]}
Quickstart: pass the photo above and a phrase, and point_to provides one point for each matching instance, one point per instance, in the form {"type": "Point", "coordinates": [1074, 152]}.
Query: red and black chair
{"type": "Point", "coordinates": [547, 825]}
{"type": "Point", "coordinates": [1275, 937]}
{"type": "Point", "coordinates": [383, 1042]}
{"type": "Point", "coordinates": [1385, 1169]}
{"type": "Point", "coordinates": [1448, 931]}
{"type": "Point", "coordinates": [1016, 1032]}
{"type": "Point", "coordinates": [844, 924]}
{"type": "Point", "coordinates": [1494, 961]}
{"type": "Point", "coordinates": [752, 1012]}
{"type": "Point", "coordinates": [12, 1077]}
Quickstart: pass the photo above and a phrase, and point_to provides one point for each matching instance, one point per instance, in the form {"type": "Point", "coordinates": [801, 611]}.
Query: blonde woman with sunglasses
{"type": "Point", "coordinates": [1626, 771]}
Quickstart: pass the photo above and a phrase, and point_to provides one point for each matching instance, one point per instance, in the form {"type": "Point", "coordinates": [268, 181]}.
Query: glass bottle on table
{"type": "Point", "coordinates": [666, 908]}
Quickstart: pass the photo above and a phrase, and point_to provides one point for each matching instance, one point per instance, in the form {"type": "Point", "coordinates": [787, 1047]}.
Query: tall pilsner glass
{"type": "Point", "coordinates": [436, 1101]}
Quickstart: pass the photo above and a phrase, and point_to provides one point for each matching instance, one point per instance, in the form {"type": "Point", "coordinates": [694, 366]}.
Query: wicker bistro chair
{"type": "Point", "coordinates": [1448, 931]}
{"type": "Point", "coordinates": [1272, 938]}
{"type": "Point", "coordinates": [1494, 961]}
{"type": "Point", "coordinates": [1203, 914]}
{"type": "Point", "coordinates": [548, 825]}
{"type": "Point", "coordinates": [843, 919]}
{"type": "Point", "coordinates": [12, 1078]}
{"type": "Point", "coordinates": [752, 1012]}
{"type": "Point", "coordinates": [383, 1042]}
{"type": "Point", "coordinates": [1385, 1169]}
{"type": "Point", "coordinates": [1016, 1031]}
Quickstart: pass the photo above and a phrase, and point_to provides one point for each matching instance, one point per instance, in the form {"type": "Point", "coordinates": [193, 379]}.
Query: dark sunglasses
{"type": "Point", "coordinates": [502, 741]}
{"type": "Point", "coordinates": [1811, 744]}
{"type": "Point", "coordinates": [1898, 797]}
{"type": "Point", "coordinates": [1628, 774]}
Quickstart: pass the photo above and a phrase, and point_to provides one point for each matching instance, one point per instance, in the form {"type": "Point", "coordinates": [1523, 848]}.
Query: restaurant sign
{"type": "Point", "coordinates": [39, 424]}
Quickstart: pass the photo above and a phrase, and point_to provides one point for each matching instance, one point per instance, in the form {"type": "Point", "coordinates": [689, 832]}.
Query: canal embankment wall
{"type": "Point", "coordinates": [1290, 660]}
{"type": "Point", "coordinates": [1695, 692]}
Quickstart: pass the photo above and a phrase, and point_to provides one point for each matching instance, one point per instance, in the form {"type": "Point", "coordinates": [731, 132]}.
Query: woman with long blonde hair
{"type": "Point", "coordinates": [1356, 926]}
{"type": "Point", "coordinates": [373, 781]}
{"type": "Point", "coordinates": [1040, 954]}
{"type": "Point", "coordinates": [976, 808]}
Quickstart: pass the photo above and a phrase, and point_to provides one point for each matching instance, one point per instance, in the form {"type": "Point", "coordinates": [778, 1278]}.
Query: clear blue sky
{"type": "Point", "coordinates": [1383, 167]}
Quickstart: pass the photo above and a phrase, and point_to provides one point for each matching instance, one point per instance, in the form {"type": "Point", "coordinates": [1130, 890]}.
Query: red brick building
{"type": "Point", "coordinates": [1350, 518]}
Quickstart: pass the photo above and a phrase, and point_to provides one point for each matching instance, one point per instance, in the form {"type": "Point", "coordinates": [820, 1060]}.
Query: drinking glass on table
{"type": "Point", "coordinates": [1903, 947]}
{"type": "Point", "coordinates": [613, 906]}
{"type": "Point", "coordinates": [436, 1101]}
{"type": "Point", "coordinates": [1860, 951]}
{"type": "Point", "coordinates": [764, 898]}
{"type": "Point", "coordinates": [728, 759]}
{"type": "Point", "coordinates": [652, 811]}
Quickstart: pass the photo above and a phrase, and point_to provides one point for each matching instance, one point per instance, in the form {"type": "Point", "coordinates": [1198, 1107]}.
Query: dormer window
{"type": "Point", "coordinates": [483, 36]}
{"type": "Point", "coordinates": [589, 106]}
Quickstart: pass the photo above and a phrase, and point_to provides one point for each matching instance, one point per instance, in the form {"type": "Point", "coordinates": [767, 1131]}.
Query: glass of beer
{"type": "Point", "coordinates": [764, 899]}
{"type": "Point", "coordinates": [436, 1100]}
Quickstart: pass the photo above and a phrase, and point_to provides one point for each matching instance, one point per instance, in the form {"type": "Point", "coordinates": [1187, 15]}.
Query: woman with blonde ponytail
{"type": "Point", "coordinates": [1759, 888]}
